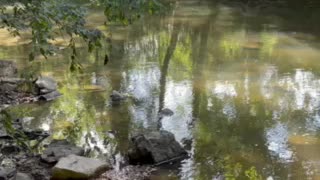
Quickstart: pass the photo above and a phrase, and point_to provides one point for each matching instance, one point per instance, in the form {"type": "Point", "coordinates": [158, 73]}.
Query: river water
{"type": "Point", "coordinates": [245, 89]}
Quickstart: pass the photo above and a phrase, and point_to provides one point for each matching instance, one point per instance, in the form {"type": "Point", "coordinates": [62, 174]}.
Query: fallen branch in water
{"type": "Point", "coordinates": [170, 160]}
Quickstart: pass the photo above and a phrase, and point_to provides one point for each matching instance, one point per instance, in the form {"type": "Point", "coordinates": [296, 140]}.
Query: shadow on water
{"type": "Point", "coordinates": [244, 91]}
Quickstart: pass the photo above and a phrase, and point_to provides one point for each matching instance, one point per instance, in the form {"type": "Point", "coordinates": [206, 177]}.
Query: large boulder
{"type": "Point", "coordinates": [7, 69]}
{"type": "Point", "coordinates": [154, 147]}
{"type": "Point", "coordinates": [58, 149]}
{"type": "Point", "coordinates": [77, 167]}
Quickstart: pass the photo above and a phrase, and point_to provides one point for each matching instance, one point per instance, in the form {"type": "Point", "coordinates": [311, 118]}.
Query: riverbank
{"type": "Point", "coordinates": [32, 154]}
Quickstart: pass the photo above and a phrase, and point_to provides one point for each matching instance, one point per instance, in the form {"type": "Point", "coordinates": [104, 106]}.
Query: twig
{"type": "Point", "coordinates": [170, 160]}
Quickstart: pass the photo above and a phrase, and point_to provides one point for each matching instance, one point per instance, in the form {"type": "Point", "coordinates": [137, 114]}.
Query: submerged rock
{"type": "Point", "coordinates": [154, 147]}
{"type": "Point", "coordinates": [77, 167]}
{"type": "Point", "coordinates": [116, 96]}
{"type": "Point", "coordinates": [187, 143]}
{"type": "Point", "coordinates": [166, 112]}
{"type": "Point", "coordinates": [8, 69]}
{"type": "Point", "coordinates": [58, 149]}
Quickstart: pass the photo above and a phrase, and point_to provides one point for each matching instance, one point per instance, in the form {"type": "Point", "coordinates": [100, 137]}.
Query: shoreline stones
{"type": "Point", "coordinates": [11, 87]}
{"type": "Point", "coordinates": [59, 149]}
{"type": "Point", "coordinates": [78, 167]}
{"type": "Point", "coordinates": [154, 148]}
{"type": "Point", "coordinates": [7, 173]}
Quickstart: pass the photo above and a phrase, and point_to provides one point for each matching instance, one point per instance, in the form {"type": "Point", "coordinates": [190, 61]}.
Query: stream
{"type": "Point", "coordinates": [244, 89]}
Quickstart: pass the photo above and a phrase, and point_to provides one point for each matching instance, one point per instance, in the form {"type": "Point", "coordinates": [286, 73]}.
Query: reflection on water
{"type": "Point", "coordinates": [277, 142]}
{"type": "Point", "coordinates": [246, 93]}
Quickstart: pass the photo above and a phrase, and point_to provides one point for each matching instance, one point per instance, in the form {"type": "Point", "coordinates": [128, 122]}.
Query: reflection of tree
{"type": "Point", "coordinates": [199, 56]}
{"type": "Point", "coordinates": [165, 66]}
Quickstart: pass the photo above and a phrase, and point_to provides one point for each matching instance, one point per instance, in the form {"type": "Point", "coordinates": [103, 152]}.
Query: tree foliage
{"type": "Point", "coordinates": [48, 19]}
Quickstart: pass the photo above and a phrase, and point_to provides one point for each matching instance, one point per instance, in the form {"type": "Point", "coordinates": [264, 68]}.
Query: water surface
{"type": "Point", "coordinates": [244, 88]}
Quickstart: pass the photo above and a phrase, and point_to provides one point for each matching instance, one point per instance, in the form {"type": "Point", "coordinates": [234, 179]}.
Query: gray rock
{"type": "Point", "coordinates": [31, 165]}
{"type": "Point", "coordinates": [7, 174]}
{"type": "Point", "coordinates": [154, 147]}
{"type": "Point", "coordinates": [3, 132]}
{"type": "Point", "coordinates": [23, 176]}
{"type": "Point", "coordinates": [7, 69]}
{"type": "Point", "coordinates": [4, 87]}
{"type": "Point", "coordinates": [8, 162]}
{"type": "Point", "coordinates": [166, 112]}
{"type": "Point", "coordinates": [46, 85]}
{"type": "Point", "coordinates": [49, 96]}
{"type": "Point", "coordinates": [116, 96]}
{"type": "Point", "coordinates": [187, 143]}
{"type": "Point", "coordinates": [58, 149]}
{"type": "Point", "coordinates": [9, 149]}
{"type": "Point", "coordinates": [77, 167]}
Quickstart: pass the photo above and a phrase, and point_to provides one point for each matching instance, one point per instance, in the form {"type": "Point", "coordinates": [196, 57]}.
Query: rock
{"type": "Point", "coordinates": [11, 83]}
{"type": "Point", "coordinates": [5, 87]}
{"type": "Point", "coordinates": [50, 96]}
{"type": "Point", "coordinates": [166, 112]}
{"type": "Point", "coordinates": [9, 149]}
{"type": "Point", "coordinates": [8, 162]}
{"type": "Point", "coordinates": [46, 85]}
{"type": "Point", "coordinates": [58, 149]}
{"type": "Point", "coordinates": [36, 134]}
{"type": "Point", "coordinates": [154, 147]}
{"type": "Point", "coordinates": [3, 132]}
{"type": "Point", "coordinates": [23, 176]}
{"type": "Point", "coordinates": [7, 174]}
{"type": "Point", "coordinates": [116, 96]}
{"type": "Point", "coordinates": [187, 143]}
{"type": "Point", "coordinates": [33, 166]}
{"type": "Point", "coordinates": [77, 167]}
{"type": "Point", "coordinates": [8, 69]}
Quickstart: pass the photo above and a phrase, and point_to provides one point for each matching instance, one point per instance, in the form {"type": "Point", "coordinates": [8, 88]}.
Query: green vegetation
{"type": "Point", "coordinates": [49, 19]}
